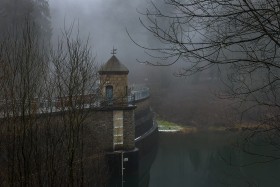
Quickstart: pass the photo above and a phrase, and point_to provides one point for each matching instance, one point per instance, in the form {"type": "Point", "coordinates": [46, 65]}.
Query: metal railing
{"type": "Point", "coordinates": [59, 104]}
{"type": "Point", "coordinates": [140, 93]}
{"type": "Point", "coordinates": [136, 94]}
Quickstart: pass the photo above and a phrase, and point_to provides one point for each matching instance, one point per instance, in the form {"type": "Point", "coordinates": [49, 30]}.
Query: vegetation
{"type": "Point", "coordinates": [38, 147]}
{"type": "Point", "coordinates": [240, 38]}
{"type": "Point", "coordinates": [15, 13]}
{"type": "Point", "coordinates": [166, 125]}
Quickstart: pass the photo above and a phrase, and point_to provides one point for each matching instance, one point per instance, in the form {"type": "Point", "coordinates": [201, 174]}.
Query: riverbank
{"type": "Point", "coordinates": [170, 127]}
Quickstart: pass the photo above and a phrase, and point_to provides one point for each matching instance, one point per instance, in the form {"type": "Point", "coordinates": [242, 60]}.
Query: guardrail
{"type": "Point", "coordinates": [80, 102]}
{"type": "Point", "coordinates": [140, 93]}
{"type": "Point", "coordinates": [135, 95]}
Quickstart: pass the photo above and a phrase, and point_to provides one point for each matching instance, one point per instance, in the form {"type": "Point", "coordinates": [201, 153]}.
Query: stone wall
{"type": "Point", "coordinates": [101, 124]}
{"type": "Point", "coordinates": [138, 119]}
{"type": "Point", "coordinates": [129, 130]}
{"type": "Point", "coordinates": [119, 83]}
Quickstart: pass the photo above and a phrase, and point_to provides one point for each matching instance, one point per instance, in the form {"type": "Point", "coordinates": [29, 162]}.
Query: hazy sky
{"type": "Point", "coordinates": [106, 22]}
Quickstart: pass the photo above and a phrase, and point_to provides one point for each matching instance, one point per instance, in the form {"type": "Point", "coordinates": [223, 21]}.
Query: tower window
{"type": "Point", "coordinates": [109, 93]}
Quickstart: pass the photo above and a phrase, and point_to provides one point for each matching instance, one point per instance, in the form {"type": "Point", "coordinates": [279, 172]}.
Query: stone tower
{"type": "Point", "coordinates": [113, 82]}
{"type": "Point", "coordinates": [114, 91]}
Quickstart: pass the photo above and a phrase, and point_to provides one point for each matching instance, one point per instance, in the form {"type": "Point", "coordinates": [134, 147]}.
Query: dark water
{"type": "Point", "coordinates": [209, 160]}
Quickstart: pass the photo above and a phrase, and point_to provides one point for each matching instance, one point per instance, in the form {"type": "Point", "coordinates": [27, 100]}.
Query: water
{"type": "Point", "coordinates": [209, 160]}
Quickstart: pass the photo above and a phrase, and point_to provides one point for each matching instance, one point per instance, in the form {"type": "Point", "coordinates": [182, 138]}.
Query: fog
{"type": "Point", "coordinates": [106, 23]}
{"type": "Point", "coordinates": [49, 133]}
{"type": "Point", "coordinates": [190, 98]}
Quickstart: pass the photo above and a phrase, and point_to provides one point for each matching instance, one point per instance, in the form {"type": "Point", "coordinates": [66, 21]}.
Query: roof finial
{"type": "Point", "coordinates": [114, 51]}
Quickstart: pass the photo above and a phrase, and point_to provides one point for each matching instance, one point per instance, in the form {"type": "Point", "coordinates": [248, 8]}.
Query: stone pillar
{"type": "Point", "coordinates": [129, 130]}
{"type": "Point", "coordinates": [123, 129]}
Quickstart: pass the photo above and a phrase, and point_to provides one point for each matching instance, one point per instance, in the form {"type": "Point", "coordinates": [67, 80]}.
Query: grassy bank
{"type": "Point", "coordinates": [167, 126]}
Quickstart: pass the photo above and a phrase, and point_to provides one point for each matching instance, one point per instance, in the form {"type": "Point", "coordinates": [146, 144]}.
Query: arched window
{"type": "Point", "coordinates": [109, 93]}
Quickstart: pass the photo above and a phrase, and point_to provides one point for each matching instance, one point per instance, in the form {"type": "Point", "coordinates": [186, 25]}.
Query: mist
{"type": "Point", "coordinates": [196, 86]}
{"type": "Point", "coordinates": [106, 23]}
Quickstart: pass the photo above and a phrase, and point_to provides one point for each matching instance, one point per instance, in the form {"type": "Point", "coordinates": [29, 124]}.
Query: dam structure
{"type": "Point", "coordinates": [118, 120]}
{"type": "Point", "coordinates": [134, 132]}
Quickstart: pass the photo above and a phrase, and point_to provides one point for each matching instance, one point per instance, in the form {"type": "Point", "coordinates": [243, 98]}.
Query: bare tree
{"type": "Point", "coordinates": [74, 77]}
{"type": "Point", "coordinates": [45, 99]}
{"type": "Point", "coordinates": [239, 36]}
{"type": "Point", "coordinates": [23, 64]}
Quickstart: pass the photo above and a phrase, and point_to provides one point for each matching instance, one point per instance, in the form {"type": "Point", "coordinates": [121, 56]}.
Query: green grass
{"type": "Point", "coordinates": [167, 125]}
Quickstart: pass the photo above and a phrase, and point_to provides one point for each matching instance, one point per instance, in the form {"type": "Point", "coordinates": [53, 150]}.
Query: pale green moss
{"type": "Point", "coordinates": [167, 125]}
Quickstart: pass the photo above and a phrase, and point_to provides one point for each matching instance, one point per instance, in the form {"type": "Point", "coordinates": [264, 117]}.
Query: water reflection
{"type": "Point", "coordinates": [206, 160]}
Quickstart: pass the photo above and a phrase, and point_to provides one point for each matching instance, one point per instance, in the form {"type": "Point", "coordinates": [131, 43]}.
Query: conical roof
{"type": "Point", "coordinates": [113, 66]}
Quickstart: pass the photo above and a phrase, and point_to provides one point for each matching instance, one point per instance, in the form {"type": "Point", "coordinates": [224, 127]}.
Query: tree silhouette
{"type": "Point", "coordinates": [241, 37]}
